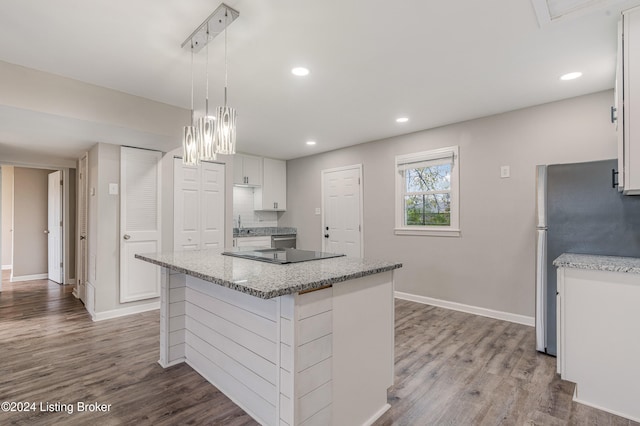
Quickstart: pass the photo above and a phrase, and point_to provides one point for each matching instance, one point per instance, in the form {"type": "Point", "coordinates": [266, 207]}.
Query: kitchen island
{"type": "Point", "coordinates": [301, 343]}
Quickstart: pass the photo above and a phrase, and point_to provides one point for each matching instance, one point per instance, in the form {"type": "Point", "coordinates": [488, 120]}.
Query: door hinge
{"type": "Point", "coordinates": [60, 223]}
{"type": "Point", "coordinates": [359, 228]}
{"type": "Point", "coordinates": [60, 182]}
{"type": "Point", "coordinates": [358, 181]}
{"type": "Point", "coordinates": [61, 264]}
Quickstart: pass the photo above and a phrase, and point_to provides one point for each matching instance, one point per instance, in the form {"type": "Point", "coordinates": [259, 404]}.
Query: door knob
{"type": "Point", "coordinates": [326, 235]}
{"type": "Point", "coordinates": [82, 237]}
{"type": "Point", "coordinates": [126, 236]}
{"type": "Point", "coordinates": [46, 231]}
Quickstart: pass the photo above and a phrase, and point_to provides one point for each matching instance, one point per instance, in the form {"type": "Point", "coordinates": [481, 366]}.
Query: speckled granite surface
{"type": "Point", "coordinates": [598, 263]}
{"type": "Point", "coordinates": [261, 232]}
{"type": "Point", "coordinates": [267, 280]}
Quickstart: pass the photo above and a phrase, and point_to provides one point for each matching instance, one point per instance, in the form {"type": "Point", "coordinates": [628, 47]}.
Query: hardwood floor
{"type": "Point", "coordinates": [451, 369]}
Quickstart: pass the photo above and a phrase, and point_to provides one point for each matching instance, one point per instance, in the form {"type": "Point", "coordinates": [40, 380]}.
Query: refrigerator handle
{"type": "Point", "coordinates": [614, 181]}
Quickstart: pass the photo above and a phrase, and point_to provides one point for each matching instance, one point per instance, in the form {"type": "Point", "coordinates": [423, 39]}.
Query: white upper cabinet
{"type": "Point", "coordinates": [247, 170]}
{"type": "Point", "coordinates": [628, 116]}
{"type": "Point", "coordinates": [273, 193]}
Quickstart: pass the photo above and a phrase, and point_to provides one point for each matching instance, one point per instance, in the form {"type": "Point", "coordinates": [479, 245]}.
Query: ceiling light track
{"type": "Point", "coordinates": [215, 24]}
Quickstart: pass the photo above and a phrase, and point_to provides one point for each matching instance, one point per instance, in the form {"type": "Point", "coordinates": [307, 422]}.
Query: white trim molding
{"type": "Point", "coordinates": [19, 278]}
{"type": "Point", "coordinates": [476, 310]}
{"type": "Point", "coordinates": [129, 310]}
{"type": "Point", "coordinates": [7, 267]}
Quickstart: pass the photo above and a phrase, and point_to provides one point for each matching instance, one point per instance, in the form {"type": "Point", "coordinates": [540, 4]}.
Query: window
{"type": "Point", "coordinates": [427, 193]}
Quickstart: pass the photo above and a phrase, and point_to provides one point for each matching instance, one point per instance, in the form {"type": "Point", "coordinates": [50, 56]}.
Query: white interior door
{"type": "Point", "coordinates": [54, 225]}
{"type": "Point", "coordinates": [139, 223]}
{"type": "Point", "coordinates": [342, 210]}
{"type": "Point", "coordinates": [186, 206]}
{"type": "Point", "coordinates": [212, 205]}
{"type": "Point", "coordinates": [82, 259]}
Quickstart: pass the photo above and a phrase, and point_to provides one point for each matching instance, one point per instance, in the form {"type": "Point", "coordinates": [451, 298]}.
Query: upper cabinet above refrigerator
{"type": "Point", "coordinates": [624, 113]}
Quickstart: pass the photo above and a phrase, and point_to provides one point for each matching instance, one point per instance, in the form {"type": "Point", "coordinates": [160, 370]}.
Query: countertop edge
{"type": "Point", "coordinates": [274, 293]}
{"type": "Point", "coordinates": [629, 265]}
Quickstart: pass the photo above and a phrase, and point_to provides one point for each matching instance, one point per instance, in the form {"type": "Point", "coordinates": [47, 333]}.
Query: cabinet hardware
{"type": "Point", "coordinates": [126, 236]}
{"type": "Point", "coordinates": [614, 116]}
{"type": "Point", "coordinates": [614, 181]}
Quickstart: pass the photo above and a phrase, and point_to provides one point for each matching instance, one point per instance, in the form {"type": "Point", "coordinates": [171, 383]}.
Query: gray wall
{"type": "Point", "coordinates": [104, 230]}
{"type": "Point", "coordinates": [30, 221]}
{"type": "Point", "coordinates": [492, 264]}
{"type": "Point", "coordinates": [7, 214]}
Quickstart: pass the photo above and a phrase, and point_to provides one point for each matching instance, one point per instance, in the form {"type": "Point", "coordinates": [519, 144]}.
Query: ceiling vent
{"type": "Point", "coordinates": [549, 11]}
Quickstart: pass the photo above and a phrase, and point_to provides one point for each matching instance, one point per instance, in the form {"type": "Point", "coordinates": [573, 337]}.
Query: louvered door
{"type": "Point", "coordinates": [139, 223]}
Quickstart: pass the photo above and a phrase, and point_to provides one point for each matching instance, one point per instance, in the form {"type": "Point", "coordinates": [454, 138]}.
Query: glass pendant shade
{"type": "Point", "coordinates": [189, 146]}
{"type": "Point", "coordinates": [224, 137]}
{"type": "Point", "coordinates": [206, 128]}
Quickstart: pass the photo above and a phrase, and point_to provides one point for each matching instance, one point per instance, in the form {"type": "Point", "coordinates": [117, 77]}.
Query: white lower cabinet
{"type": "Point", "coordinates": [599, 338]}
{"type": "Point", "coordinates": [252, 241]}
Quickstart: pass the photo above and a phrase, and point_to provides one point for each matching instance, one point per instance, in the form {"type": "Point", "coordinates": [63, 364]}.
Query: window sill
{"type": "Point", "coordinates": [429, 232]}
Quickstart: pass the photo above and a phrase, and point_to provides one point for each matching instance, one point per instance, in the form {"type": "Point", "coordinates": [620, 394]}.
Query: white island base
{"type": "Point", "coordinates": [313, 358]}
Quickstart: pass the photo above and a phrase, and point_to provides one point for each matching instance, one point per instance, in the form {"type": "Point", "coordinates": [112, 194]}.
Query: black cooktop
{"type": "Point", "coordinates": [280, 255]}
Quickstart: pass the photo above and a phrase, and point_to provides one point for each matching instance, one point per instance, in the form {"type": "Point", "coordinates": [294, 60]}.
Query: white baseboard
{"type": "Point", "coordinates": [129, 310]}
{"type": "Point", "coordinates": [490, 313]}
{"type": "Point", "coordinates": [377, 415]}
{"type": "Point", "coordinates": [596, 406]}
{"type": "Point", "coordinates": [172, 363]}
{"type": "Point", "coordinates": [71, 281]}
{"type": "Point", "coordinates": [15, 279]}
{"type": "Point", "coordinates": [6, 267]}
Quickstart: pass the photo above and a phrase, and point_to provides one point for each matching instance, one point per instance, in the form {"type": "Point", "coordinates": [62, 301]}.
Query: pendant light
{"type": "Point", "coordinates": [208, 137]}
{"type": "Point", "coordinates": [206, 123]}
{"type": "Point", "coordinates": [224, 136]}
{"type": "Point", "coordinates": [189, 139]}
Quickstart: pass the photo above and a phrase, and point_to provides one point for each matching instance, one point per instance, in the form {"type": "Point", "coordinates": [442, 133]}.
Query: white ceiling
{"type": "Point", "coordinates": [370, 61]}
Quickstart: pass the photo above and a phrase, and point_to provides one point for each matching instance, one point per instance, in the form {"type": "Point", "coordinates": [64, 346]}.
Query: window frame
{"type": "Point", "coordinates": [452, 230]}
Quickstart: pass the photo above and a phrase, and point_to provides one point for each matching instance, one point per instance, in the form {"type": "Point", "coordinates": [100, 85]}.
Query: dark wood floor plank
{"type": "Point", "coordinates": [452, 368]}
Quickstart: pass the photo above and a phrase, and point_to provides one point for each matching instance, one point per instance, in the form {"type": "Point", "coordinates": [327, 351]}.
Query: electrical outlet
{"type": "Point", "coordinates": [505, 171]}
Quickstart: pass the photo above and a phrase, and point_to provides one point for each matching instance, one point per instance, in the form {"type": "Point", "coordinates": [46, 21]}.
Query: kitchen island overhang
{"type": "Point", "coordinates": [290, 344]}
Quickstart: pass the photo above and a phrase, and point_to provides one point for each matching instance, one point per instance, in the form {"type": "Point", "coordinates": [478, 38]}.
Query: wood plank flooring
{"type": "Point", "coordinates": [451, 369]}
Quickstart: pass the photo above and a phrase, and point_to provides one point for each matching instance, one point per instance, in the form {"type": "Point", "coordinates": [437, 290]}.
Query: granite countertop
{"type": "Point", "coordinates": [266, 280]}
{"type": "Point", "coordinates": [262, 231]}
{"type": "Point", "coordinates": [598, 263]}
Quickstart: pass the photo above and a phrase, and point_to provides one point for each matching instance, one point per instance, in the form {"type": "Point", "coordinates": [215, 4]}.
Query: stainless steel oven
{"type": "Point", "coordinates": [283, 241]}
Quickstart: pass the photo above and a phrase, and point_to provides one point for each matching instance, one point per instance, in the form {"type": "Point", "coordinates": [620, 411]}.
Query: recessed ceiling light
{"type": "Point", "coordinates": [402, 120]}
{"type": "Point", "coordinates": [571, 76]}
{"type": "Point", "coordinates": [300, 71]}
{"type": "Point", "coordinates": [311, 142]}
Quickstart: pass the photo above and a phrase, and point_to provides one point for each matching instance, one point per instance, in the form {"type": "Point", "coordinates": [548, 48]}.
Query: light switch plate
{"type": "Point", "coordinates": [113, 189]}
{"type": "Point", "coordinates": [505, 171]}
{"type": "Point", "coordinates": [318, 211]}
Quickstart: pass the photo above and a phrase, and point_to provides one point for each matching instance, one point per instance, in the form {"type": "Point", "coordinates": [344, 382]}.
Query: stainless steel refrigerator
{"type": "Point", "coordinates": [578, 210]}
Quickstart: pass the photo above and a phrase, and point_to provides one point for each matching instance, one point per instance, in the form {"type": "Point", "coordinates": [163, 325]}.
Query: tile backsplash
{"type": "Point", "coordinates": [243, 207]}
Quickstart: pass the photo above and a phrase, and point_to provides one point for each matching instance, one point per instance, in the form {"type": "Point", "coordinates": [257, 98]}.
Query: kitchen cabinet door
{"type": "Point", "coordinates": [247, 170]}
{"type": "Point", "coordinates": [273, 193]}
{"type": "Point", "coordinates": [628, 116]}
{"type": "Point", "coordinates": [253, 242]}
